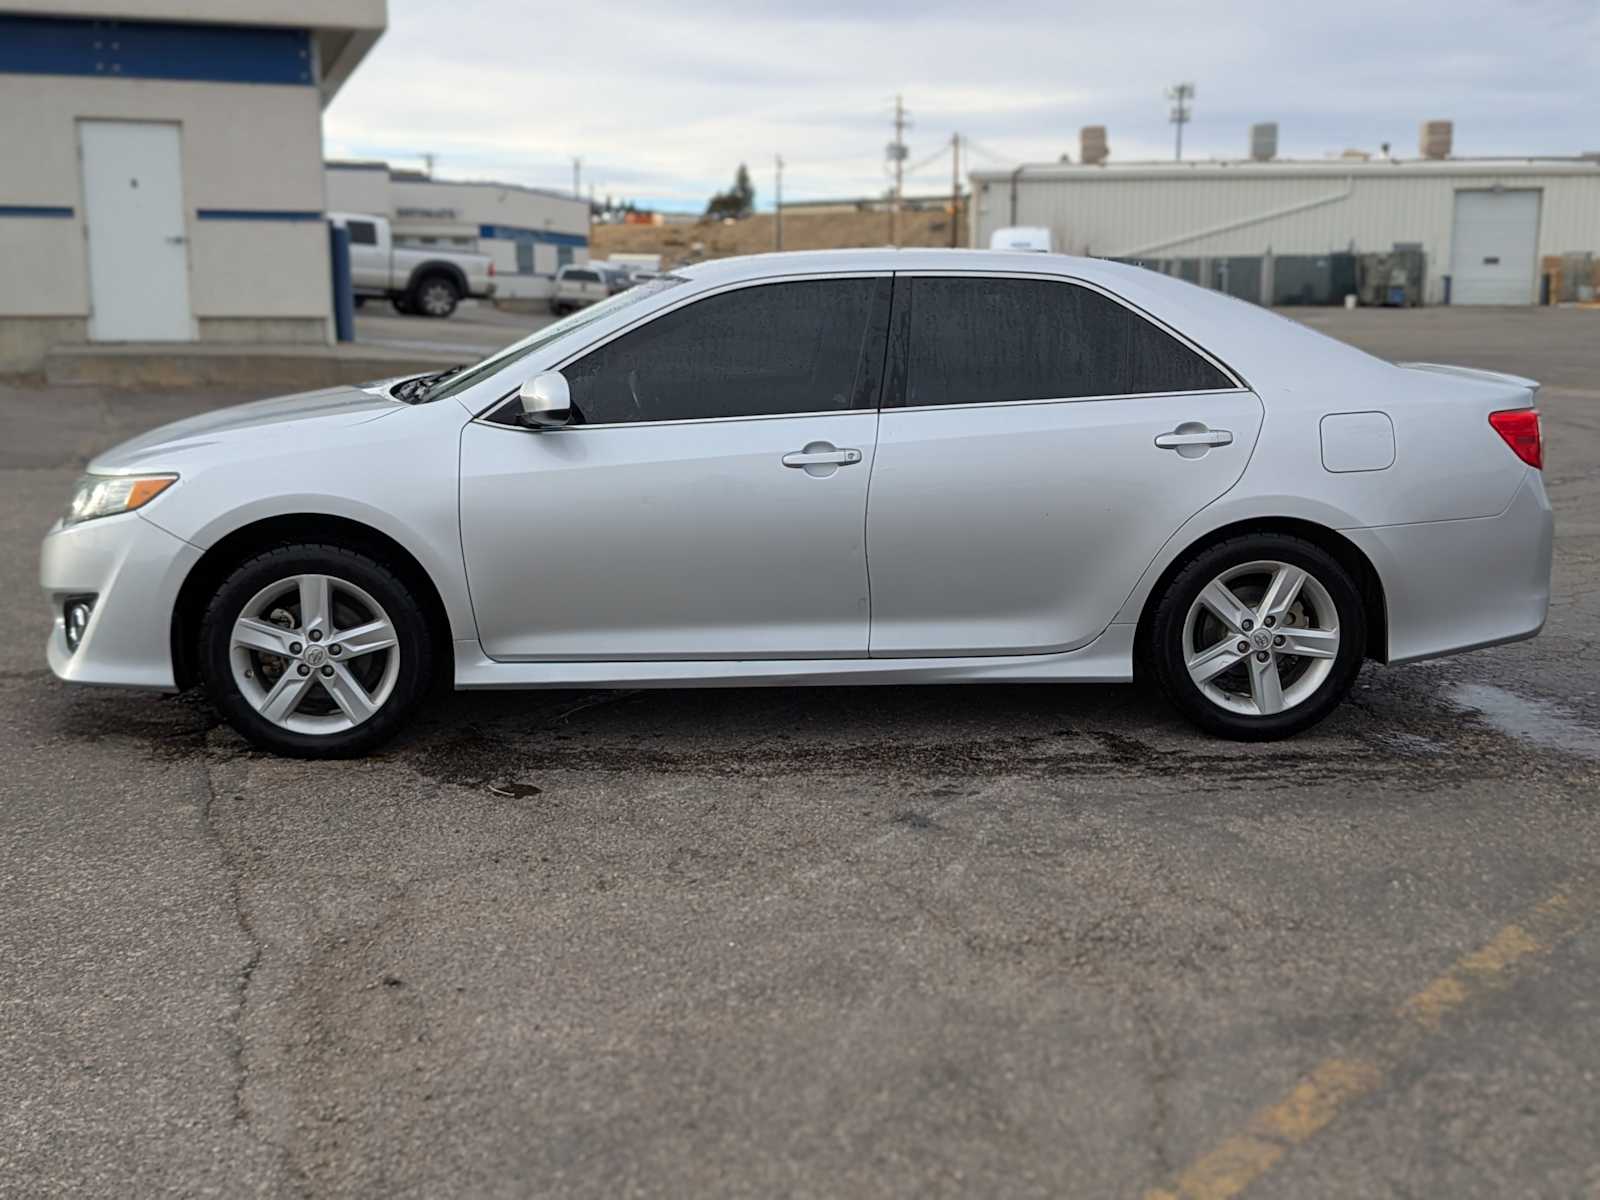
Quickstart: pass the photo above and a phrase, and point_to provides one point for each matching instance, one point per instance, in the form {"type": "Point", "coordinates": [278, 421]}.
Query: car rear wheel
{"type": "Point", "coordinates": [434, 296]}
{"type": "Point", "coordinates": [315, 651]}
{"type": "Point", "coordinates": [1258, 637]}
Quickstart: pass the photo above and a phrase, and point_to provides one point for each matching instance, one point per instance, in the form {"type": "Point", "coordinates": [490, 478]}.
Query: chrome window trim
{"type": "Point", "coordinates": [1184, 339]}
{"type": "Point", "coordinates": [1233, 391]}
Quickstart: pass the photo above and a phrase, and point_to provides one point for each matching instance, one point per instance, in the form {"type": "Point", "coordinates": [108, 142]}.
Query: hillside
{"type": "Point", "coordinates": [801, 231]}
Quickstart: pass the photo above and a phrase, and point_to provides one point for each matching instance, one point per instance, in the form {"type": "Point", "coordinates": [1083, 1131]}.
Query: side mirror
{"type": "Point", "coordinates": [546, 401]}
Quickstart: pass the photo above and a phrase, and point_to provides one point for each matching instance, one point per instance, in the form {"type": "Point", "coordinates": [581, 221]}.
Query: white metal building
{"type": "Point", "coordinates": [528, 232]}
{"type": "Point", "coordinates": [1484, 225]}
{"type": "Point", "coordinates": [163, 177]}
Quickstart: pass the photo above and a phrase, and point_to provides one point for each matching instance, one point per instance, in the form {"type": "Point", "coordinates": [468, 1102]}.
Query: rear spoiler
{"type": "Point", "coordinates": [1473, 373]}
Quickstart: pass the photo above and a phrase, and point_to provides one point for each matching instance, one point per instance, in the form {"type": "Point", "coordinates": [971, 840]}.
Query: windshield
{"type": "Point", "coordinates": [460, 381]}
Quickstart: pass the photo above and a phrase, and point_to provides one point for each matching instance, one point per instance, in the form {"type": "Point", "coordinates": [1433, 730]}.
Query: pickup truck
{"type": "Point", "coordinates": [420, 281]}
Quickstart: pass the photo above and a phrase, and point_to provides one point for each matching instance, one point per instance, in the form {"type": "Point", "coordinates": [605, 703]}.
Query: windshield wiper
{"type": "Point", "coordinates": [413, 390]}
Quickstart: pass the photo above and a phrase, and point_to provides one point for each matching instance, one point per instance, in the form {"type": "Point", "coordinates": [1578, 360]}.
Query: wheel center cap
{"type": "Point", "coordinates": [315, 656]}
{"type": "Point", "coordinates": [1260, 638]}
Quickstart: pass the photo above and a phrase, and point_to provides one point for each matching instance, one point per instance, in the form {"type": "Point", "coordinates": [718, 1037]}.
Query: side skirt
{"type": "Point", "coordinates": [1107, 659]}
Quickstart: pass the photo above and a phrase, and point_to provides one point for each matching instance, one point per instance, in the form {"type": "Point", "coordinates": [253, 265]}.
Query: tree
{"type": "Point", "coordinates": [737, 201]}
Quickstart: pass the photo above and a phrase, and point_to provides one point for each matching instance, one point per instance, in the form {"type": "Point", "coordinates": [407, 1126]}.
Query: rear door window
{"type": "Point", "coordinates": [977, 340]}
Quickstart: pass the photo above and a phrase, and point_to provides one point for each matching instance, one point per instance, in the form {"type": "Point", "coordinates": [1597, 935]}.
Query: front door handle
{"type": "Point", "coordinates": [821, 458]}
{"type": "Point", "coordinates": [1203, 437]}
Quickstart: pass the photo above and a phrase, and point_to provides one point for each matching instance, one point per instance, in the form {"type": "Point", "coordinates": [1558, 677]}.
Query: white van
{"type": "Point", "coordinates": [1034, 238]}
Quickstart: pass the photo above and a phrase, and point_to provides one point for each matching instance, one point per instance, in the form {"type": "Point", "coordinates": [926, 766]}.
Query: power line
{"type": "Point", "coordinates": [983, 150]}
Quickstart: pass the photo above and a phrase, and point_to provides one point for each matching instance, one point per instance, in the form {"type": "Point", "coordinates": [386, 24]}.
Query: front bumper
{"type": "Point", "coordinates": [1451, 586]}
{"type": "Point", "coordinates": [134, 571]}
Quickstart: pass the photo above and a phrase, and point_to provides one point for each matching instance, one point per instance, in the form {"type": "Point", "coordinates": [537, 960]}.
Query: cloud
{"type": "Point", "coordinates": [663, 101]}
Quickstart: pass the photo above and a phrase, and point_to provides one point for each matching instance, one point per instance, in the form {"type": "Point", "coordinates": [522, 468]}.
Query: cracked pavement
{"type": "Point", "coordinates": [904, 941]}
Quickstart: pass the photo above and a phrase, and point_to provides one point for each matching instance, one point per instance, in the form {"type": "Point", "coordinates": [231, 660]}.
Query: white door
{"type": "Point", "coordinates": [1494, 258]}
{"type": "Point", "coordinates": [1044, 445]}
{"type": "Point", "coordinates": [138, 251]}
{"type": "Point", "coordinates": [709, 498]}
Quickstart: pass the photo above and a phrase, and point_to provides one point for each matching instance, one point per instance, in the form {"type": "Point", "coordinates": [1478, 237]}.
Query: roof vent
{"type": "Point", "coordinates": [1264, 141]}
{"type": "Point", "coordinates": [1436, 138]}
{"type": "Point", "coordinates": [1092, 148]}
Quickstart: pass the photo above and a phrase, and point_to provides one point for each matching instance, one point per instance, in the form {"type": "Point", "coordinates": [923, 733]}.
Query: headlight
{"type": "Point", "coordinates": [105, 495]}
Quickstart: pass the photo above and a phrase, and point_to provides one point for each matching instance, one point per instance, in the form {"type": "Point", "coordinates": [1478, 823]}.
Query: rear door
{"type": "Point", "coordinates": [1040, 441]}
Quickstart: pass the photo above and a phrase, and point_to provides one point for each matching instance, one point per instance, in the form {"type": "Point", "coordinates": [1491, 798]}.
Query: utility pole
{"type": "Point", "coordinates": [1181, 94]}
{"type": "Point", "coordinates": [577, 166]}
{"type": "Point", "coordinates": [955, 187]}
{"type": "Point", "coordinates": [427, 163]}
{"type": "Point", "coordinates": [777, 209]}
{"type": "Point", "coordinates": [897, 155]}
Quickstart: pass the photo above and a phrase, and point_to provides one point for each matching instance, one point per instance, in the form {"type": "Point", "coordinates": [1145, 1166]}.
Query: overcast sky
{"type": "Point", "coordinates": [663, 100]}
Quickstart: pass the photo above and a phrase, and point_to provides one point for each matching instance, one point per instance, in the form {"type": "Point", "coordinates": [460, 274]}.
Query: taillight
{"type": "Point", "coordinates": [1520, 428]}
{"type": "Point", "coordinates": [491, 269]}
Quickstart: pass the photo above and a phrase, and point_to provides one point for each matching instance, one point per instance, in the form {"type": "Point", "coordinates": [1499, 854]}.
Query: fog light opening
{"type": "Point", "coordinates": [75, 614]}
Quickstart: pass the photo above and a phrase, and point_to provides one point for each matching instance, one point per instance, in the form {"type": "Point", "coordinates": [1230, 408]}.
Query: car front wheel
{"type": "Point", "coordinates": [315, 651]}
{"type": "Point", "coordinates": [1258, 637]}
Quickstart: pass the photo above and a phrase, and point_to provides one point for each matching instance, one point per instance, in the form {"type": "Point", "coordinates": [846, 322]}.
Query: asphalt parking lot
{"type": "Point", "coordinates": [1019, 941]}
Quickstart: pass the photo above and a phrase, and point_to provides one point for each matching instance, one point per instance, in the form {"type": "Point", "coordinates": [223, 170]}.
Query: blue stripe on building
{"type": "Point", "coordinates": [515, 233]}
{"type": "Point", "coordinates": [34, 210]}
{"type": "Point", "coordinates": [154, 50]}
{"type": "Point", "coordinates": [258, 214]}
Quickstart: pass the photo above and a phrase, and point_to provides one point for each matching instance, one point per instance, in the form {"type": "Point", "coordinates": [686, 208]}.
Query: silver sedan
{"type": "Point", "coordinates": [838, 468]}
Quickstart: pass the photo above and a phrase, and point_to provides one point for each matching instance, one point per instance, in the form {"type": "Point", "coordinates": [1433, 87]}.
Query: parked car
{"type": "Point", "coordinates": [420, 281]}
{"type": "Point", "coordinates": [1079, 470]}
{"type": "Point", "coordinates": [578, 285]}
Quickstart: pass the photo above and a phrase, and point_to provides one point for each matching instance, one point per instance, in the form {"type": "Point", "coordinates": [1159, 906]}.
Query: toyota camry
{"type": "Point", "coordinates": [845, 467]}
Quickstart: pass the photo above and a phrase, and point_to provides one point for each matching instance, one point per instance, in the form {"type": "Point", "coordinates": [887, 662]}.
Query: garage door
{"type": "Point", "coordinates": [1496, 243]}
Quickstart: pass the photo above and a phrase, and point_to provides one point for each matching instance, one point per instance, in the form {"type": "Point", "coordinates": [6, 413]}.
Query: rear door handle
{"type": "Point", "coordinates": [821, 458]}
{"type": "Point", "coordinates": [1206, 437]}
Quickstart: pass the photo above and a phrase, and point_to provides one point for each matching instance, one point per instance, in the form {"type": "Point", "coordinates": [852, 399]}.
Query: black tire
{"type": "Point", "coordinates": [412, 678]}
{"type": "Point", "coordinates": [433, 296]}
{"type": "Point", "coordinates": [401, 305]}
{"type": "Point", "coordinates": [1168, 645]}
{"type": "Point", "coordinates": [558, 310]}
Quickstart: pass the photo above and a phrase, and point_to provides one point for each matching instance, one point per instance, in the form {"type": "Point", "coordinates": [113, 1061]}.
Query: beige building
{"type": "Point", "coordinates": [1485, 226]}
{"type": "Point", "coordinates": [164, 168]}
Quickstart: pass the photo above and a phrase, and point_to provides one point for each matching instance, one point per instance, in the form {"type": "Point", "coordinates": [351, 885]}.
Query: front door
{"type": "Point", "coordinates": [138, 242]}
{"type": "Point", "coordinates": [709, 500]}
{"type": "Point", "coordinates": [1044, 441]}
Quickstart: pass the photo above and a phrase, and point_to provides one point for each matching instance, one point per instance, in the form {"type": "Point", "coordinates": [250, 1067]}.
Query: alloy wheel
{"type": "Point", "coordinates": [1261, 638]}
{"type": "Point", "coordinates": [314, 654]}
{"type": "Point", "coordinates": [437, 299]}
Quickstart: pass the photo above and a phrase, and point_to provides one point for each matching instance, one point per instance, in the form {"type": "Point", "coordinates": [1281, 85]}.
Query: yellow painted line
{"type": "Point", "coordinates": [1238, 1161]}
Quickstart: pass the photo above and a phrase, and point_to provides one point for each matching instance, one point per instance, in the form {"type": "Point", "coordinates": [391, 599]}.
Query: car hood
{"type": "Point", "coordinates": [170, 446]}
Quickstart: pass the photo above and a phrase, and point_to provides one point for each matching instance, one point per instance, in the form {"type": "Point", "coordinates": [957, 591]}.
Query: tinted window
{"type": "Point", "coordinates": [975, 340]}
{"type": "Point", "coordinates": [582, 277]}
{"type": "Point", "coordinates": [363, 233]}
{"type": "Point", "coordinates": [758, 351]}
